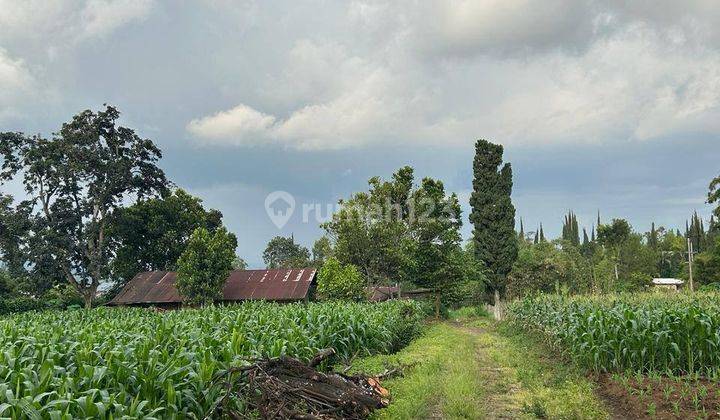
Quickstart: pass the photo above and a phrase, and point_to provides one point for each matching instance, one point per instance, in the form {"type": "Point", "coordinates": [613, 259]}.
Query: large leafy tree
{"type": "Point", "coordinates": [493, 214]}
{"type": "Point", "coordinates": [283, 252]}
{"type": "Point", "coordinates": [321, 251]}
{"type": "Point", "coordinates": [204, 265]}
{"type": "Point", "coordinates": [152, 233]}
{"type": "Point", "coordinates": [371, 231]}
{"type": "Point", "coordinates": [435, 230]}
{"type": "Point", "coordinates": [613, 236]}
{"type": "Point", "coordinates": [75, 183]}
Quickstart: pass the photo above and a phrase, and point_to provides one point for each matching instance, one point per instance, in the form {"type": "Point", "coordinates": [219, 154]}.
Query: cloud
{"type": "Point", "coordinates": [67, 21]}
{"type": "Point", "coordinates": [241, 124]}
{"type": "Point", "coordinates": [16, 84]}
{"type": "Point", "coordinates": [99, 18]}
{"type": "Point", "coordinates": [636, 84]}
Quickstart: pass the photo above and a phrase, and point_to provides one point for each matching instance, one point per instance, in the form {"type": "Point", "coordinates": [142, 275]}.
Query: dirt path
{"type": "Point", "coordinates": [500, 390]}
{"type": "Point", "coordinates": [518, 380]}
{"type": "Point", "coordinates": [477, 369]}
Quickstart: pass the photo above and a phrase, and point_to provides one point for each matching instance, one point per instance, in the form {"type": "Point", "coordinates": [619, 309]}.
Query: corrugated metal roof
{"type": "Point", "coordinates": [278, 284]}
{"type": "Point", "coordinates": [667, 281]}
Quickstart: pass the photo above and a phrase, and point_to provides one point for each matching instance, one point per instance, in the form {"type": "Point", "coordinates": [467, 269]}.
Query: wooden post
{"type": "Point", "coordinates": [437, 304]}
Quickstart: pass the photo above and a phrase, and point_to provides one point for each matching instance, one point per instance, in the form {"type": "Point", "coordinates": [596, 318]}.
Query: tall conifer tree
{"type": "Point", "coordinates": [493, 214]}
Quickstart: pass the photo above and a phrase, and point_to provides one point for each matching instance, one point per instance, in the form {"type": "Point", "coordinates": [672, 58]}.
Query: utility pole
{"type": "Point", "coordinates": [690, 264]}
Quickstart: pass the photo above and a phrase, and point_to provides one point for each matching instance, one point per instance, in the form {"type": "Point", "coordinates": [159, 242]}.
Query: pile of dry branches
{"type": "Point", "coordinates": [286, 388]}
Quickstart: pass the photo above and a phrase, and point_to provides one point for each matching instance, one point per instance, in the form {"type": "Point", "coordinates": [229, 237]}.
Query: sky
{"type": "Point", "coordinates": [609, 106]}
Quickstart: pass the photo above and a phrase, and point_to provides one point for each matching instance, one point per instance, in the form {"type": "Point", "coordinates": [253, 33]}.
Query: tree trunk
{"type": "Point", "coordinates": [497, 313]}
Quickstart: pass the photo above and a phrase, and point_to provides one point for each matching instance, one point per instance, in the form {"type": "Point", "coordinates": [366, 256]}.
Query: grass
{"type": "Point", "coordinates": [476, 368]}
{"type": "Point", "coordinates": [442, 376]}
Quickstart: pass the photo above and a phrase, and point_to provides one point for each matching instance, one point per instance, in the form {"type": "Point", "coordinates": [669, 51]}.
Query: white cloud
{"type": "Point", "coordinates": [16, 84]}
{"type": "Point", "coordinates": [61, 22]}
{"type": "Point", "coordinates": [634, 84]}
{"type": "Point", "coordinates": [101, 17]}
{"type": "Point", "coordinates": [241, 125]}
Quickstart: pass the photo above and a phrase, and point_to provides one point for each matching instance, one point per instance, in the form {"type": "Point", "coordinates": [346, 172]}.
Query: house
{"type": "Point", "coordinates": [157, 288]}
{"type": "Point", "coordinates": [671, 284]}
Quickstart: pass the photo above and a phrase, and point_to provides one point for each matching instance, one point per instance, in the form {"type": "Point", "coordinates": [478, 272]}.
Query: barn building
{"type": "Point", "coordinates": [157, 288]}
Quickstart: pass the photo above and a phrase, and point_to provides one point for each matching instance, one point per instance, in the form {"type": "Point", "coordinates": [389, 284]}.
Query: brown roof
{"type": "Point", "coordinates": [279, 284]}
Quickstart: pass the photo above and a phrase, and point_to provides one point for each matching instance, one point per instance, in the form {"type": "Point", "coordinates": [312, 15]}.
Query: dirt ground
{"type": "Point", "coordinates": [659, 398]}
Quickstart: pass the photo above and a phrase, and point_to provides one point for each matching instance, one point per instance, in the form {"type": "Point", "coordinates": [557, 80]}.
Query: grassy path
{"type": "Point", "coordinates": [475, 368]}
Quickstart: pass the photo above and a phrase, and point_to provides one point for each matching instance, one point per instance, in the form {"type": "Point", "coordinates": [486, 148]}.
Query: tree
{"type": "Point", "coordinates": [76, 181]}
{"type": "Point", "coordinates": [707, 265]}
{"type": "Point", "coordinates": [714, 195]}
{"type": "Point", "coordinates": [570, 230]}
{"type": "Point", "coordinates": [283, 252]}
{"type": "Point", "coordinates": [204, 266]}
{"type": "Point", "coordinates": [321, 251]}
{"type": "Point", "coordinates": [340, 281]}
{"type": "Point", "coordinates": [239, 263]}
{"type": "Point", "coordinates": [538, 268]}
{"type": "Point", "coordinates": [437, 263]}
{"type": "Point", "coordinates": [152, 234]}
{"type": "Point", "coordinates": [371, 229]}
{"type": "Point", "coordinates": [613, 236]}
{"type": "Point", "coordinates": [493, 214]}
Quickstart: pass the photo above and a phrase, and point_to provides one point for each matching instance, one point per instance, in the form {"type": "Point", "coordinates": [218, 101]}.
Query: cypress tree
{"type": "Point", "coordinates": [653, 237]}
{"type": "Point", "coordinates": [537, 237]}
{"type": "Point", "coordinates": [521, 235]}
{"type": "Point", "coordinates": [542, 234]}
{"type": "Point", "coordinates": [586, 240]}
{"type": "Point", "coordinates": [493, 214]}
{"type": "Point", "coordinates": [592, 237]}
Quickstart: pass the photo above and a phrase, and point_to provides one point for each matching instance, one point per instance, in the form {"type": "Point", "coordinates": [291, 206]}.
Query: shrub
{"type": "Point", "coordinates": [205, 265]}
{"type": "Point", "coordinates": [342, 282]}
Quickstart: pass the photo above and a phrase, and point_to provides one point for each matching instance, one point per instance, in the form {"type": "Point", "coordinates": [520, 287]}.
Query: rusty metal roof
{"type": "Point", "coordinates": [278, 284]}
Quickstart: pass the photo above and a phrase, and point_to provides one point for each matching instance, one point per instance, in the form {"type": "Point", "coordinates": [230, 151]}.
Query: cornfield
{"type": "Point", "coordinates": [133, 363]}
{"type": "Point", "coordinates": [667, 334]}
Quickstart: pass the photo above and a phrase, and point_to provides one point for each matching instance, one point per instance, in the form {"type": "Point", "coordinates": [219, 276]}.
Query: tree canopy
{"type": "Point", "coordinates": [204, 265]}
{"type": "Point", "coordinates": [493, 214]}
{"type": "Point", "coordinates": [75, 183]}
{"type": "Point", "coordinates": [283, 252]}
{"type": "Point", "coordinates": [152, 233]}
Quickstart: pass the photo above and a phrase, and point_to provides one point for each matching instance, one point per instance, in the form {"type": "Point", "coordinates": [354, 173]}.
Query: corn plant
{"type": "Point", "coordinates": [137, 363]}
{"type": "Point", "coordinates": [676, 334]}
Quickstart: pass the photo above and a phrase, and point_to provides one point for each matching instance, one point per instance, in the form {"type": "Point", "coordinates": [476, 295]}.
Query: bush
{"type": "Point", "coordinates": [342, 282]}
{"type": "Point", "coordinates": [205, 265]}
{"type": "Point", "coordinates": [19, 304]}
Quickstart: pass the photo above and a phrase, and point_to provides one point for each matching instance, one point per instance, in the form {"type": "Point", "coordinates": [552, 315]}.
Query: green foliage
{"type": "Point", "coordinates": [614, 234]}
{"type": "Point", "coordinates": [75, 182]}
{"type": "Point", "coordinates": [112, 363]}
{"type": "Point", "coordinates": [285, 253]}
{"type": "Point", "coordinates": [571, 230]}
{"type": "Point", "coordinates": [538, 268]}
{"type": "Point", "coordinates": [239, 264]}
{"type": "Point", "coordinates": [371, 229]}
{"type": "Point", "coordinates": [204, 266]}
{"type": "Point", "coordinates": [640, 332]}
{"type": "Point", "coordinates": [707, 265]}
{"type": "Point", "coordinates": [321, 251]}
{"type": "Point", "coordinates": [714, 194]}
{"type": "Point", "coordinates": [493, 214]}
{"type": "Point", "coordinates": [152, 233]}
{"type": "Point", "coordinates": [340, 282]}
{"type": "Point", "coordinates": [401, 233]}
